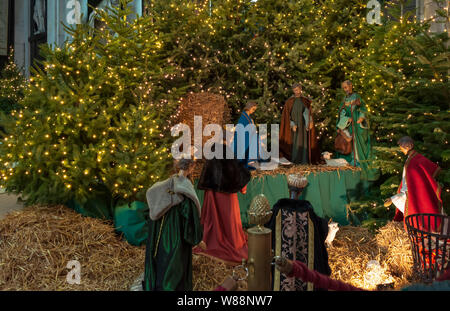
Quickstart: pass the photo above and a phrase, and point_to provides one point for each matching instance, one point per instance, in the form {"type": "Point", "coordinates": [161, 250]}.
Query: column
{"type": "Point", "coordinates": [4, 13]}
{"type": "Point", "coordinates": [21, 34]}
{"type": "Point", "coordinates": [69, 13]}
{"type": "Point", "coordinates": [136, 5]}
{"type": "Point", "coordinates": [430, 8]}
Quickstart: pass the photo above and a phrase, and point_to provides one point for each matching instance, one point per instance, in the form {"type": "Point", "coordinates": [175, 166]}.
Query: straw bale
{"type": "Point", "coordinates": [211, 107]}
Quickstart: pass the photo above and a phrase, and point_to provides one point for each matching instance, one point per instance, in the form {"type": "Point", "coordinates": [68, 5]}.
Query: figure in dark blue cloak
{"type": "Point", "coordinates": [246, 140]}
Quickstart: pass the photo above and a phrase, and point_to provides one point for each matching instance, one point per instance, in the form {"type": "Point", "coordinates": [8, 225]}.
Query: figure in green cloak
{"type": "Point", "coordinates": [352, 120]}
{"type": "Point", "coordinates": [174, 228]}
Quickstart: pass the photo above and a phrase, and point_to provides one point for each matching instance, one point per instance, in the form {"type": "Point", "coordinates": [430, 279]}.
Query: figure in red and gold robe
{"type": "Point", "coordinates": [223, 235]}
{"type": "Point", "coordinates": [419, 192]}
{"type": "Point", "coordinates": [298, 139]}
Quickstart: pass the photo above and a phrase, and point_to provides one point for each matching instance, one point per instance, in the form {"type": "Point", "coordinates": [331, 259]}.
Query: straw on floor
{"type": "Point", "coordinates": [358, 257]}
{"type": "Point", "coordinates": [37, 243]}
{"type": "Point", "coordinates": [368, 260]}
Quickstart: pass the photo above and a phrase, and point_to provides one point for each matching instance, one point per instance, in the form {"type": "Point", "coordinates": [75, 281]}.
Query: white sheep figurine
{"type": "Point", "coordinates": [333, 162]}
{"type": "Point", "coordinates": [333, 228]}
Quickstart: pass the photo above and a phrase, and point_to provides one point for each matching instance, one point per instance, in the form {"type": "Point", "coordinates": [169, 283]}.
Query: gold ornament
{"type": "Point", "coordinates": [260, 210]}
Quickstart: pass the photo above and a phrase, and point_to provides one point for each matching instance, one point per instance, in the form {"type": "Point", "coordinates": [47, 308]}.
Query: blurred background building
{"type": "Point", "coordinates": [25, 24]}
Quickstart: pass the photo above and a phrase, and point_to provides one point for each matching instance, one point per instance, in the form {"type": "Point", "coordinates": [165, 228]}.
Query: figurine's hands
{"type": "Point", "coordinates": [387, 202]}
{"type": "Point", "coordinates": [284, 265]}
{"type": "Point", "coordinates": [360, 120]}
{"type": "Point", "coordinates": [294, 128]}
{"type": "Point", "coordinates": [230, 283]}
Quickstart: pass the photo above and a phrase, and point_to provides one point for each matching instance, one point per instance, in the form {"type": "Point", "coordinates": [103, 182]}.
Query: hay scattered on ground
{"type": "Point", "coordinates": [208, 273]}
{"type": "Point", "coordinates": [37, 243]}
{"type": "Point", "coordinates": [366, 260]}
{"type": "Point", "coordinates": [357, 257]}
{"type": "Point", "coordinates": [394, 241]}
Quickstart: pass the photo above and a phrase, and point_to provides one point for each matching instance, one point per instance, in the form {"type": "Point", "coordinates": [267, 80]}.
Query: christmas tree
{"type": "Point", "coordinates": [12, 88]}
{"type": "Point", "coordinates": [94, 117]}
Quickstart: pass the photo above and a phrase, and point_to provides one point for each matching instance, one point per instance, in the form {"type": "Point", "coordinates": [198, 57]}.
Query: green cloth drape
{"type": "Point", "coordinates": [273, 187]}
{"type": "Point", "coordinates": [132, 220]}
{"type": "Point", "coordinates": [328, 192]}
{"type": "Point", "coordinates": [98, 205]}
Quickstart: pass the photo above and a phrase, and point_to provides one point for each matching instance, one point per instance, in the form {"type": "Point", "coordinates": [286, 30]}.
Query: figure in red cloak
{"type": "Point", "coordinates": [223, 235]}
{"type": "Point", "coordinates": [419, 192]}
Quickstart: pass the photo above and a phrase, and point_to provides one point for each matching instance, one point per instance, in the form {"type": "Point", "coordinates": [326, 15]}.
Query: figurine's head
{"type": "Point", "coordinates": [297, 89]}
{"type": "Point", "coordinates": [347, 86]}
{"type": "Point", "coordinates": [296, 184]}
{"type": "Point", "coordinates": [185, 166]}
{"type": "Point", "coordinates": [250, 107]}
{"type": "Point", "coordinates": [406, 144]}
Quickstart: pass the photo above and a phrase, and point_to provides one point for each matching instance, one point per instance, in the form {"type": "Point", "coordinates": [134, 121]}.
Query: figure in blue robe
{"type": "Point", "coordinates": [246, 147]}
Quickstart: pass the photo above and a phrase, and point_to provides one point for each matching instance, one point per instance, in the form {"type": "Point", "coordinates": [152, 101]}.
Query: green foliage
{"type": "Point", "coordinates": [96, 116]}
{"type": "Point", "coordinates": [419, 108]}
{"type": "Point", "coordinates": [12, 86]}
{"type": "Point", "coordinates": [415, 104]}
